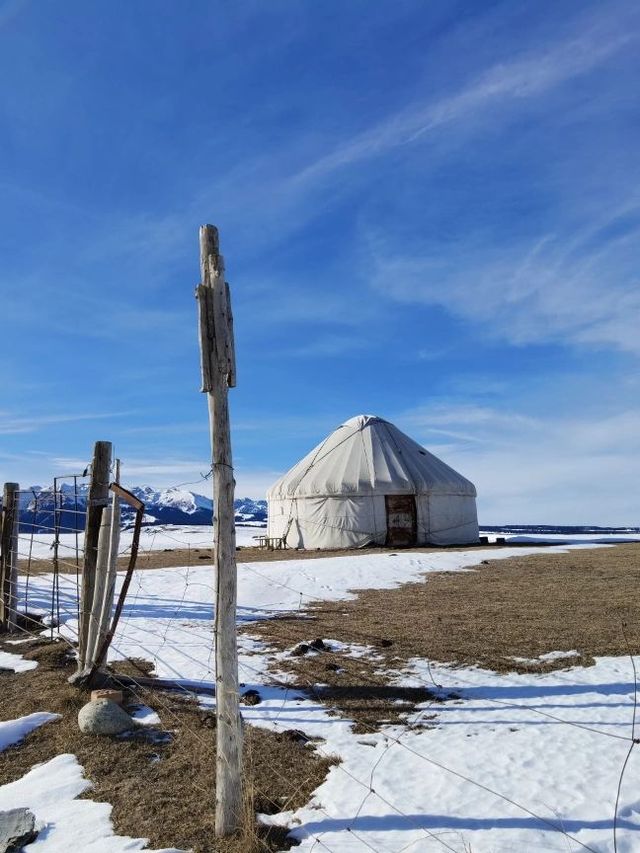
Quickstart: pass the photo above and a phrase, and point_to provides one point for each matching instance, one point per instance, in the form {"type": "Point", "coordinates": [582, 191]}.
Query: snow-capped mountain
{"type": "Point", "coordinates": [174, 506]}
{"type": "Point", "coordinates": [164, 506]}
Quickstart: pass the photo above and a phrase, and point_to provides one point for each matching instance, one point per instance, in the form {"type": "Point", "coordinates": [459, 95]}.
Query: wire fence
{"type": "Point", "coordinates": [459, 683]}
{"type": "Point", "coordinates": [49, 546]}
{"type": "Point", "coordinates": [174, 627]}
{"type": "Point", "coordinates": [49, 534]}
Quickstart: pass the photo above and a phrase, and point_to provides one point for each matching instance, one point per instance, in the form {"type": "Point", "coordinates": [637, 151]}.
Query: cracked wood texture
{"type": "Point", "coordinates": [218, 375]}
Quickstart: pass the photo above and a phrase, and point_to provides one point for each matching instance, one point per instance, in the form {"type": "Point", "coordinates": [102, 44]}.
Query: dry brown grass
{"type": "Point", "coordinates": [161, 782]}
{"type": "Point", "coordinates": [516, 607]}
{"type": "Point", "coordinates": [358, 687]}
{"type": "Point", "coordinates": [168, 558]}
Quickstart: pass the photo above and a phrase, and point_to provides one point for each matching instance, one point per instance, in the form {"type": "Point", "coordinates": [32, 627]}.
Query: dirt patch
{"type": "Point", "coordinates": [519, 607]}
{"type": "Point", "coordinates": [160, 781]}
{"type": "Point", "coordinates": [358, 687]}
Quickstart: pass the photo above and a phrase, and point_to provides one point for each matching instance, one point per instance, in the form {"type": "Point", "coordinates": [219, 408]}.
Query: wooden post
{"type": "Point", "coordinates": [218, 375]}
{"type": "Point", "coordinates": [97, 500]}
{"type": "Point", "coordinates": [137, 504]}
{"type": "Point", "coordinates": [100, 588]}
{"type": "Point", "coordinates": [9, 558]}
{"type": "Point", "coordinates": [106, 569]}
{"type": "Point", "coordinates": [114, 547]}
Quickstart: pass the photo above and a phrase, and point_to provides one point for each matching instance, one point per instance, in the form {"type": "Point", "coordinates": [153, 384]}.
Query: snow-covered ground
{"type": "Point", "coordinates": [562, 538]}
{"type": "Point", "coordinates": [517, 763]}
{"type": "Point", "coordinates": [50, 790]}
{"type": "Point", "coordinates": [159, 537]}
{"type": "Point", "coordinates": [153, 538]}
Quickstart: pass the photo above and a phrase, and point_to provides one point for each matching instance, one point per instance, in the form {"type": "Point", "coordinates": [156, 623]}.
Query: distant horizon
{"type": "Point", "coordinates": [483, 526]}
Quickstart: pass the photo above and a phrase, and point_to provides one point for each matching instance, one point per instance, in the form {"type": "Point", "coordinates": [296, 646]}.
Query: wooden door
{"type": "Point", "coordinates": [402, 527]}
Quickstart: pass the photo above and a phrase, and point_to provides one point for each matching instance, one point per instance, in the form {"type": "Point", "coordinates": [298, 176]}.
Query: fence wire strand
{"type": "Point", "coordinates": [63, 611]}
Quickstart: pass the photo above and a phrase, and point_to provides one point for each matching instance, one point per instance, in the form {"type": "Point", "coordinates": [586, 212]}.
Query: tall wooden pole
{"type": "Point", "coordinates": [9, 558]}
{"type": "Point", "coordinates": [97, 500]}
{"type": "Point", "coordinates": [218, 375]}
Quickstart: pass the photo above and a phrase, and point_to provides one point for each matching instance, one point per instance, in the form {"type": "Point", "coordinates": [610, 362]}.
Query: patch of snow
{"type": "Point", "coordinates": [50, 790]}
{"type": "Point", "coordinates": [13, 731]}
{"type": "Point", "coordinates": [145, 716]}
{"type": "Point", "coordinates": [353, 650]}
{"type": "Point", "coordinates": [547, 658]}
{"type": "Point", "coordinates": [16, 662]}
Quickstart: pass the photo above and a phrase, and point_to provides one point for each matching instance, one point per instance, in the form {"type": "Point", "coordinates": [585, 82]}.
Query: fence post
{"type": "Point", "coordinates": [97, 500]}
{"type": "Point", "coordinates": [136, 503]}
{"type": "Point", "coordinates": [218, 375]}
{"type": "Point", "coordinates": [9, 558]}
{"type": "Point", "coordinates": [112, 566]}
{"type": "Point", "coordinates": [100, 588]}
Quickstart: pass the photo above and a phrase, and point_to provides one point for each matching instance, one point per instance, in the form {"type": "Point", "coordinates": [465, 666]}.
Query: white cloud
{"type": "Point", "coordinates": [161, 472]}
{"type": "Point", "coordinates": [524, 77]}
{"type": "Point", "coordinates": [563, 469]}
{"type": "Point", "coordinates": [254, 484]}
{"type": "Point", "coordinates": [12, 424]}
{"type": "Point", "coordinates": [578, 286]}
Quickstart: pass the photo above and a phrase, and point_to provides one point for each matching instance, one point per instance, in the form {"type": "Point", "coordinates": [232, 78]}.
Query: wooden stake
{"type": "Point", "coordinates": [137, 504]}
{"type": "Point", "coordinates": [114, 547]}
{"type": "Point", "coordinates": [97, 500]}
{"type": "Point", "coordinates": [106, 569]}
{"type": "Point", "coordinates": [9, 558]}
{"type": "Point", "coordinates": [96, 630]}
{"type": "Point", "coordinates": [218, 375]}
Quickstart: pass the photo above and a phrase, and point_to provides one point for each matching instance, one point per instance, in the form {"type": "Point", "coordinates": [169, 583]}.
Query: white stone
{"type": "Point", "coordinates": [104, 717]}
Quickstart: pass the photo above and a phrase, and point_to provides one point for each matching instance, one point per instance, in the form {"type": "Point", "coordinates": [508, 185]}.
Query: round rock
{"type": "Point", "coordinates": [104, 717]}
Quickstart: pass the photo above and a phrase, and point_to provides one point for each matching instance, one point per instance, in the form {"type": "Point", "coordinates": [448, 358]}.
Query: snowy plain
{"type": "Point", "coordinates": [159, 537]}
{"type": "Point", "coordinates": [561, 538]}
{"type": "Point", "coordinates": [152, 538]}
{"type": "Point", "coordinates": [516, 763]}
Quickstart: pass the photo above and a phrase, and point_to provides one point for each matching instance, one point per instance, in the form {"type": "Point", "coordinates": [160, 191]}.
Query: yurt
{"type": "Point", "coordinates": [370, 484]}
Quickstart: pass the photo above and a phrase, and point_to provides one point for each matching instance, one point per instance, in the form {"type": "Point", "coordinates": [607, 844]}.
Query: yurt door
{"type": "Point", "coordinates": [402, 525]}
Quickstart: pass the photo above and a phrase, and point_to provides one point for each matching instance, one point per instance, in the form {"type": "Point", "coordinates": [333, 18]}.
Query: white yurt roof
{"type": "Point", "coordinates": [368, 455]}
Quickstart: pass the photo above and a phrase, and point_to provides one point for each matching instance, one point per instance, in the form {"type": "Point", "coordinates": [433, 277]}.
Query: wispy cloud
{"type": "Point", "coordinates": [572, 287]}
{"type": "Point", "coordinates": [524, 77]}
{"type": "Point", "coordinates": [563, 468]}
{"type": "Point", "coordinates": [10, 423]}
{"type": "Point", "coordinates": [164, 473]}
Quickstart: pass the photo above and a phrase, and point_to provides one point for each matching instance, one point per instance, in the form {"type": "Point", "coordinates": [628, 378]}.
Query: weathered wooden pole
{"type": "Point", "coordinates": [112, 568]}
{"type": "Point", "coordinates": [95, 621]}
{"type": "Point", "coordinates": [218, 375]}
{"type": "Point", "coordinates": [9, 558]}
{"type": "Point", "coordinates": [97, 500]}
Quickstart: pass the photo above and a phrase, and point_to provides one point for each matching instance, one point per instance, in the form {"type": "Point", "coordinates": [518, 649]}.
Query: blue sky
{"type": "Point", "coordinates": [429, 211]}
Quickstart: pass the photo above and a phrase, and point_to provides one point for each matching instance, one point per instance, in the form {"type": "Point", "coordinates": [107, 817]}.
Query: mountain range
{"type": "Point", "coordinates": [164, 506]}
{"type": "Point", "coordinates": [179, 506]}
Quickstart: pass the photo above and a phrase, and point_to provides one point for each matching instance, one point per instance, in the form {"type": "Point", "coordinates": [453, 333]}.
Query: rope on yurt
{"type": "Point", "coordinates": [372, 479]}
{"type": "Point", "coordinates": [294, 500]}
